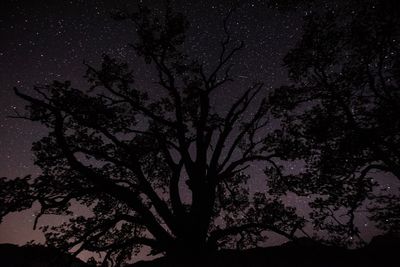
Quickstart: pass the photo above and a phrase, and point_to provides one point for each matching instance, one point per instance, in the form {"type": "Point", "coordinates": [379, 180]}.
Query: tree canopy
{"type": "Point", "coordinates": [341, 115]}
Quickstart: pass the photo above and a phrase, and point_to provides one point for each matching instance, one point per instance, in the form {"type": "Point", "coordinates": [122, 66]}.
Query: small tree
{"type": "Point", "coordinates": [341, 115]}
{"type": "Point", "coordinates": [167, 173]}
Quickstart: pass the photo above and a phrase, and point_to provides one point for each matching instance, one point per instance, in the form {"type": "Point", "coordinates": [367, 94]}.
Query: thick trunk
{"type": "Point", "coordinates": [192, 244]}
{"type": "Point", "coordinates": [191, 241]}
{"type": "Point", "coordinates": [203, 200]}
{"type": "Point", "coordinates": [189, 251]}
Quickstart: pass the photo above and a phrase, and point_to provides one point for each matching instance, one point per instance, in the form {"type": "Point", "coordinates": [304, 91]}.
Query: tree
{"type": "Point", "coordinates": [340, 116]}
{"type": "Point", "coordinates": [134, 160]}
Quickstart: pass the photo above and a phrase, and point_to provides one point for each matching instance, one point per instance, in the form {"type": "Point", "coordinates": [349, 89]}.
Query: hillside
{"type": "Point", "coordinates": [382, 251]}
{"type": "Point", "coordinates": [36, 256]}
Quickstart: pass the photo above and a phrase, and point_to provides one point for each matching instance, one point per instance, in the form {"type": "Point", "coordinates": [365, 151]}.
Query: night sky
{"type": "Point", "coordinates": [50, 41]}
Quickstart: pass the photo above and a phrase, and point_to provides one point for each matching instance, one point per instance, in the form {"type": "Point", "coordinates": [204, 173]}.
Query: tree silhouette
{"type": "Point", "coordinates": [167, 173]}
{"type": "Point", "coordinates": [167, 167]}
{"type": "Point", "coordinates": [341, 116]}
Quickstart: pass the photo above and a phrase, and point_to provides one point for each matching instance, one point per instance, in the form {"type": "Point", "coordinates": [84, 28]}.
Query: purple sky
{"type": "Point", "coordinates": [41, 43]}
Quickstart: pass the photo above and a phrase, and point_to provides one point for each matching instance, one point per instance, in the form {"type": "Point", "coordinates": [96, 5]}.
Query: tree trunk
{"type": "Point", "coordinates": [189, 251]}
{"type": "Point", "coordinates": [192, 245]}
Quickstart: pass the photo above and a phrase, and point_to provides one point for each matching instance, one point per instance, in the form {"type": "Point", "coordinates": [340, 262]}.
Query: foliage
{"type": "Point", "coordinates": [341, 115]}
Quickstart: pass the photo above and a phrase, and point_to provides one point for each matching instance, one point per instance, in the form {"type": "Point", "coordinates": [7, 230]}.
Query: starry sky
{"type": "Point", "coordinates": [49, 41]}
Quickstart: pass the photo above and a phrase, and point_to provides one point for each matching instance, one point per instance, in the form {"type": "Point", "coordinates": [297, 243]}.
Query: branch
{"type": "Point", "coordinates": [221, 233]}
{"type": "Point", "coordinates": [248, 126]}
{"type": "Point", "coordinates": [224, 57]}
{"type": "Point", "coordinates": [176, 202]}
{"type": "Point", "coordinates": [237, 109]}
{"type": "Point", "coordinates": [134, 104]}
{"type": "Point", "coordinates": [231, 168]}
{"type": "Point", "coordinates": [101, 183]}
